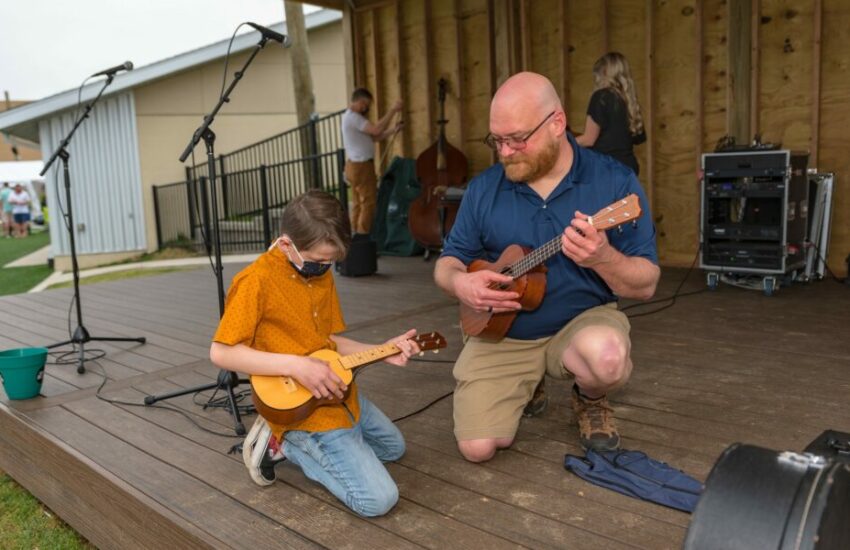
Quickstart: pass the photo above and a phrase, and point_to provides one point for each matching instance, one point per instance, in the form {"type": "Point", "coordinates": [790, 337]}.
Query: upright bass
{"type": "Point", "coordinates": [439, 167]}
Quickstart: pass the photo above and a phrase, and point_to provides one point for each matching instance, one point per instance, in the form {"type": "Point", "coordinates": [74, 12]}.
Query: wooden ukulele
{"type": "Point", "coordinates": [282, 400]}
{"type": "Point", "coordinates": [526, 268]}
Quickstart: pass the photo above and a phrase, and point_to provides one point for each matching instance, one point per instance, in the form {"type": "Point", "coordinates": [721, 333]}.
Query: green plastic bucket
{"type": "Point", "coordinates": [22, 371]}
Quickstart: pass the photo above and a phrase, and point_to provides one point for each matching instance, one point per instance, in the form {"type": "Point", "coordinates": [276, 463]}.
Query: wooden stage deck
{"type": "Point", "coordinates": [718, 367]}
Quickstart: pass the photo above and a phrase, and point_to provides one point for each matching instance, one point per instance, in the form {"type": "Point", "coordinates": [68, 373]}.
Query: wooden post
{"type": "Point", "coordinates": [524, 37]}
{"type": "Point", "coordinates": [564, 57]}
{"type": "Point", "coordinates": [302, 79]}
{"type": "Point", "coordinates": [459, 88]}
{"type": "Point", "coordinates": [754, 67]}
{"type": "Point", "coordinates": [429, 66]}
{"type": "Point", "coordinates": [700, 107]}
{"type": "Point", "coordinates": [740, 66]}
{"type": "Point", "coordinates": [650, 106]}
{"type": "Point", "coordinates": [606, 46]}
{"type": "Point", "coordinates": [816, 68]}
{"type": "Point", "coordinates": [349, 46]}
{"type": "Point", "coordinates": [302, 83]}
{"type": "Point", "coordinates": [401, 65]}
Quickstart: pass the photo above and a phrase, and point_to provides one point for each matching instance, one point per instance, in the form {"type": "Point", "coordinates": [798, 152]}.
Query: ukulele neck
{"type": "Point", "coordinates": [365, 357]}
{"type": "Point", "coordinates": [535, 258]}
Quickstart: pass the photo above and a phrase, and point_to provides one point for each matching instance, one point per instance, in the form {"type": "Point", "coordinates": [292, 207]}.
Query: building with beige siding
{"type": "Point", "coordinates": [143, 122]}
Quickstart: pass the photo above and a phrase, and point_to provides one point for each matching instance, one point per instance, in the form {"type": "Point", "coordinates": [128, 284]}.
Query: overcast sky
{"type": "Point", "coordinates": [48, 46]}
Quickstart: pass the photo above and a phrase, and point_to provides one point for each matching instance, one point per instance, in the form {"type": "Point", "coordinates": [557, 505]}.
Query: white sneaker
{"type": "Point", "coordinates": [256, 453]}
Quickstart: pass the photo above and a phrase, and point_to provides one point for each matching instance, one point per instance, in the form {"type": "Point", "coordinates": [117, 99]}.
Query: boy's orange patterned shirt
{"type": "Point", "coordinates": [270, 307]}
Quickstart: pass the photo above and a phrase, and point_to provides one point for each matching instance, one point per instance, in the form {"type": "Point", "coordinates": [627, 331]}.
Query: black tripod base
{"type": "Point", "coordinates": [81, 337]}
{"type": "Point", "coordinates": [227, 380]}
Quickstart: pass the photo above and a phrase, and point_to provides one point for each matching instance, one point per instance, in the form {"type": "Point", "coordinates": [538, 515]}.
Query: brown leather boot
{"type": "Point", "coordinates": [595, 422]}
{"type": "Point", "coordinates": [539, 401]}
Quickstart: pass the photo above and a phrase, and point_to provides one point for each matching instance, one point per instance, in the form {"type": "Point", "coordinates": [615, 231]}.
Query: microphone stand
{"type": "Point", "coordinates": [80, 336]}
{"type": "Point", "coordinates": [227, 380]}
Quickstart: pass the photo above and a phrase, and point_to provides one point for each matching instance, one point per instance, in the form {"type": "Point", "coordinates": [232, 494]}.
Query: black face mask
{"type": "Point", "coordinates": [309, 268]}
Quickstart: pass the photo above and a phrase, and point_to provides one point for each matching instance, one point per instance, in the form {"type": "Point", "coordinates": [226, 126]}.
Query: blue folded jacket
{"type": "Point", "coordinates": [634, 474]}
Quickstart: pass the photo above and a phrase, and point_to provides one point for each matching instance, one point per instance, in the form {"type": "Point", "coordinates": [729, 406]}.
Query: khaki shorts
{"type": "Point", "coordinates": [495, 379]}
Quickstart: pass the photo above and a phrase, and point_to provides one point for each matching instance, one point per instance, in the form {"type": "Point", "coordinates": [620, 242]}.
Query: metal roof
{"type": "Point", "coordinates": [22, 121]}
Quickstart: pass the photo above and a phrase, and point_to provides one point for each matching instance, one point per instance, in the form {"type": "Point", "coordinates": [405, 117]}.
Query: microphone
{"type": "Point", "coordinates": [271, 35]}
{"type": "Point", "coordinates": [126, 66]}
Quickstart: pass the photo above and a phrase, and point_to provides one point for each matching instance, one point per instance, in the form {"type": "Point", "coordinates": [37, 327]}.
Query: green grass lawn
{"type": "Point", "coordinates": [26, 523]}
{"type": "Point", "coordinates": [14, 280]}
{"type": "Point", "coordinates": [12, 249]}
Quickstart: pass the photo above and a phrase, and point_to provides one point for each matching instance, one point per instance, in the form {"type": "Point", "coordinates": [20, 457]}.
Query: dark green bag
{"type": "Point", "coordinates": [398, 188]}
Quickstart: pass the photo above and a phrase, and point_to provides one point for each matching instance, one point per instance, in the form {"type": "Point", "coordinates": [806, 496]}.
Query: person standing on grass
{"type": "Point", "coordinates": [6, 211]}
{"type": "Point", "coordinates": [20, 201]}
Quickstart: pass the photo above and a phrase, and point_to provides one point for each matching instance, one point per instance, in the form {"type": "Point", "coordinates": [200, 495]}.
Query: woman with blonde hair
{"type": "Point", "coordinates": [614, 122]}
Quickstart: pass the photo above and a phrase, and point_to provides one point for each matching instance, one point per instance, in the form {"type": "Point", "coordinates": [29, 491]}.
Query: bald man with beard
{"type": "Point", "coordinates": [544, 186]}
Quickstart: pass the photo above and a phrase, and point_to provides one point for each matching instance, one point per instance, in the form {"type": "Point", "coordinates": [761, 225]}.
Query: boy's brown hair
{"type": "Point", "coordinates": [317, 217]}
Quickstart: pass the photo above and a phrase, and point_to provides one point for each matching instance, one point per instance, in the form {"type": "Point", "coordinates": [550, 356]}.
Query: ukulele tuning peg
{"type": "Point", "coordinates": [421, 353]}
{"type": "Point", "coordinates": [620, 230]}
{"type": "Point", "coordinates": [634, 224]}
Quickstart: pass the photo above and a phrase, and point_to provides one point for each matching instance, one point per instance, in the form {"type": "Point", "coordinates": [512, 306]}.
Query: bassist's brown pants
{"type": "Point", "coordinates": [364, 190]}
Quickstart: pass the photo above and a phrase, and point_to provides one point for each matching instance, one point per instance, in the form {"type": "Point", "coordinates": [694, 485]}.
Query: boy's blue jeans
{"type": "Point", "coordinates": [349, 462]}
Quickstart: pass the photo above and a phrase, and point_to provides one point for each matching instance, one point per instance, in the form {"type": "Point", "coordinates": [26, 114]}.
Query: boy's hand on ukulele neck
{"type": "Point", "coordinates": [584, 245]}
{"type": "Point", "coordinates": [407, 346]}
{"type": "Point", "coordinates": [481, 290]}
{"type": "Point", "coordinates": [318, 378]}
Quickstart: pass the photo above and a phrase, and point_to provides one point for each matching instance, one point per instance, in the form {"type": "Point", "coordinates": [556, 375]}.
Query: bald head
{"type": "Point", "coordinates": [525, 95]}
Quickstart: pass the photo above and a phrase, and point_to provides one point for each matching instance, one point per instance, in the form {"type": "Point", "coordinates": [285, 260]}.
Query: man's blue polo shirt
{"type": "Point", "coordinates": [496, 212]}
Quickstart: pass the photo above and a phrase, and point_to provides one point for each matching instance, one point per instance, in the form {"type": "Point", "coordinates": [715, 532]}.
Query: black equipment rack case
{"type": "Point", "coordinates": [753, 215]}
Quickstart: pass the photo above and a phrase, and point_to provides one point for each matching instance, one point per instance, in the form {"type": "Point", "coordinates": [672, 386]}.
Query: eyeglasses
{"type": "Point", "coordinates": [515, 143]}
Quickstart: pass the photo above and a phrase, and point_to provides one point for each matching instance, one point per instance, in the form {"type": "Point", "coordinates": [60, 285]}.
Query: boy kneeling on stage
{"type": "Point", "coordinates": [282, 308]}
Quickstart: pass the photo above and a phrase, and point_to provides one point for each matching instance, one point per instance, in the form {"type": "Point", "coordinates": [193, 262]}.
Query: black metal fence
{"type": "Point", "coordinates": [253, 184]}
{"type": "Point", "coordinates": [250, 203]}
{"type": "Point", "coordinates": [319, 136]}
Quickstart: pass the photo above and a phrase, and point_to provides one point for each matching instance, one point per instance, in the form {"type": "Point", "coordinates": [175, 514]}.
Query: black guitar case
{"type": "Point", "coordinates": [757, 499]}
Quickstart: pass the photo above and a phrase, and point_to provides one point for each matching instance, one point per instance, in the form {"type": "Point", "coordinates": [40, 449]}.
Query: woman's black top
{"type": "Point", "coordinates": [609, 111]}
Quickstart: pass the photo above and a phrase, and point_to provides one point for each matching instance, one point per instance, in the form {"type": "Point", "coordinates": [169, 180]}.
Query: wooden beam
{"type": "Point", "coordinates": [755, 70]}
{"type": "Point", "coordinates": [524, 36]}
{"type": "Point", "coordinates": [376, 66]}
{"type": "Point", "coordinates": [606, 46]}
{"type": "Point", "coordinates": [563, 16]}
{"type": "Point", "coordinates": [491, 36]}
{"type": "Point", "coordinates": [359, 55]}
{"type": "Point", "coordinates": [700, 106]}
{"type": "Point", "coordinates": [377, 92]}
{"type": "Point", "coordinates": [338, 5]}
{"type": "Point", "coordinates": [816, 69]}
{"type": "Point", "coordinates": [740, 35]}
{"type": "Point", "coordinates": [460, 72]}
{"type": "Point", "coordinates": [429, 65]}
{"type": "Point", "coordinates": [349, 49]}
{"type": "Point", "coordinates": [299, 53]}
{"type": "Point", "coordinates": [650, 106]}
{"type": "Point", "coordinates": [503, 47]}
{"type": "Point", "coordinates": [402, 89]}
{"type": "Point", "coordinates": [366, 5]}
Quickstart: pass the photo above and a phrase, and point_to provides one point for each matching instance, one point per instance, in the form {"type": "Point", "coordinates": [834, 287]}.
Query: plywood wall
{"type": "Point", "coordinates": [679, 54]}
